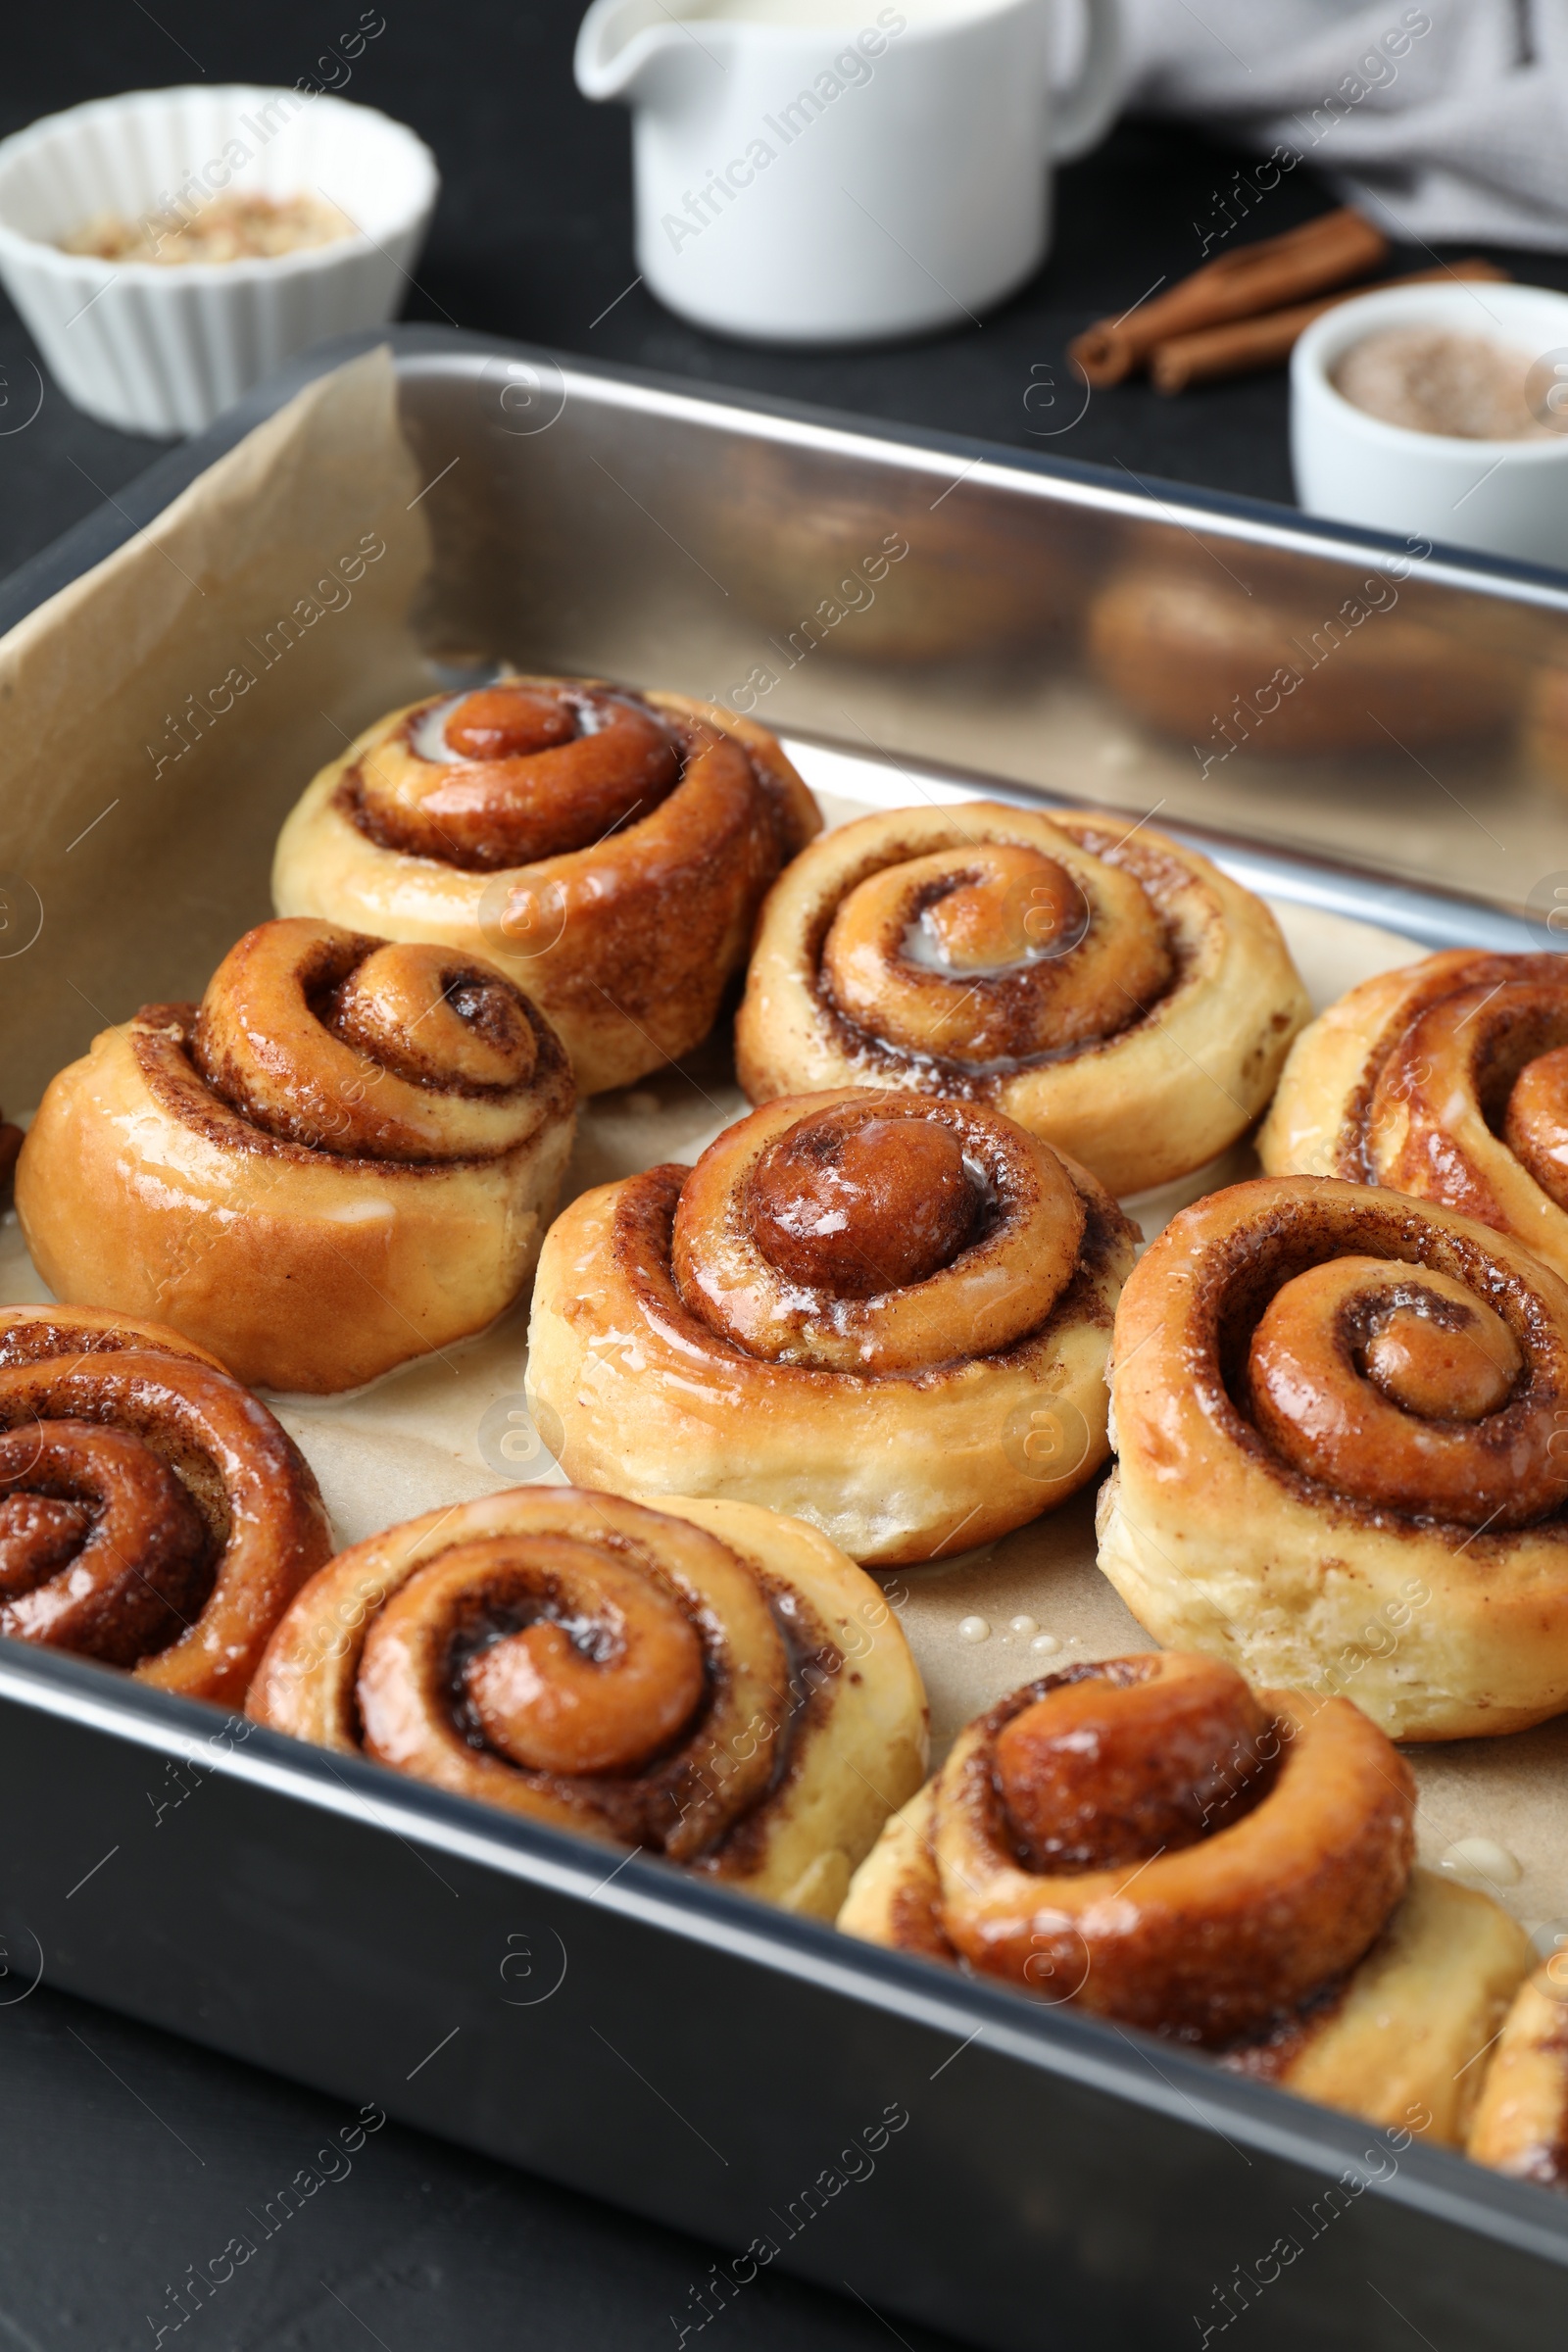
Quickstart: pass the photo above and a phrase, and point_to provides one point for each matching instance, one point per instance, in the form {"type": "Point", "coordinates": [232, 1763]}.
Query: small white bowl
{"type": "Point", "coordinates": [1509, 498]}
{"type": "Point", "coordinates": [162, 349]}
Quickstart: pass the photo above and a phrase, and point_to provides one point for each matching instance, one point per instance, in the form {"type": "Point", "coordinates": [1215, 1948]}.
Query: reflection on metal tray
{"type": "Point", "coordinates": [1039, 2177]}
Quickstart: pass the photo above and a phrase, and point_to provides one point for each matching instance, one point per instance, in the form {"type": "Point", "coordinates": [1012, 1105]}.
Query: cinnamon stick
{"type": "Point", "coordinates": [1327, 252]}
{"type": "Point", "coordinates": [1246, 345]}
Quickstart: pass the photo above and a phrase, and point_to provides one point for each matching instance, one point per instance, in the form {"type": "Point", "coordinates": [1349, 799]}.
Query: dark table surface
{"type": "Point", "coordinates": [127, 2155]}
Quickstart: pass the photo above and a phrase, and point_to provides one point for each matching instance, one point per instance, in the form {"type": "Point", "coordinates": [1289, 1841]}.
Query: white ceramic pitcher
{"type": "Point", "coordinates": [843, 170]}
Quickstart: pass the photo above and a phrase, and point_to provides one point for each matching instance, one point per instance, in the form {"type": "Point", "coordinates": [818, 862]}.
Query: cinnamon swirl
{"type": "Point", "coordinates": [608, 849]}
{"type": "Point", "coordinates": [886, 1314]}
{"type": "Point", "coordinates": [701, 1680]}
{"type": "Point", "coordinates": [1341, 1421]}
{"type": "Point", "coordinates": [1153, 1841]}
{"type": "Point", "coordinates": [1109, 989]}
{"type": "Point", "coordinates": [1520, 2124]}
{"type": "Point", "coordinates": [1446, 1079]}
{"type": "Point", "coordinates": [153, 1514]}
{"type": "Point", "coordinates": [343, 1157]}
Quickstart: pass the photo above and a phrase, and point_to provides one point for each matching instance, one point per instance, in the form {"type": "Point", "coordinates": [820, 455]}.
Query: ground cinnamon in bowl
{"type": "Point", "coordinates": [236, 226]}
{"type": "Point", "coordinates": [1431, 379]}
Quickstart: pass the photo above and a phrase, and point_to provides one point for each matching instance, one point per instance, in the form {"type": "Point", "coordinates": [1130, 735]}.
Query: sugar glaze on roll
{"type": "Point", "coordinates": [343, 1157]}
{"type": "Point", "coordinates": [608, 849]}
{"type": "Point", "coordinates": [703, 1681]}
{"type": "Point", "coordinates": [1147, 1839]}
{"type": "Point", "coordinates": [885, 1314]}
{"type": "Point", "coordinates": [1109, 989]}
{"type": "Point", "coordinates": [1342, 1429]}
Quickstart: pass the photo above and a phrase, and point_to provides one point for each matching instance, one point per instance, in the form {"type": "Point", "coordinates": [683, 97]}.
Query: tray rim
{"type": "Point", "coordinates": [1422, 911]}
{"type": "Point", "coordinates": [1139, 2068]}
{"type": "Point", "coordinates": [1438, 2182]}
{"type": "Point", "coordinates": [1078, 481]}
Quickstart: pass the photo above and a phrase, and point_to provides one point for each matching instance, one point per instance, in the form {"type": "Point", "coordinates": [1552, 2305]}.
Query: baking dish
{"type": "Point", "coordinates": [1011, 2173]}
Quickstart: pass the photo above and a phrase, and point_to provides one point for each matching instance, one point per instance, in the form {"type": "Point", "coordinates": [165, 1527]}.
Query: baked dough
{"type": "Point", "coordinates": [1337, 1414]}
{"type": "Point", "coordinates": [1268, 664]}
{"type": "Point", "coordinates": [608, 850]}
{"type": "Point", "coordinates": [1406, 2039]}
{"type": "Point", "coordinates": [1147, 1840]}
{"type": "Point", "coordinates": [1109, 989]}
{"type": "Point", "coordinates": [344, 1157]}
{"type": "Point", "coordinates": [1446, 1079]}
{"type": "Point", "coordinates": [1520, 2124]}
{"type": "Point", "coordinates": [883, 1314]}
{"type": "Point", "coordinates": [701, 1679]}
{"type": "Point", "coordinates": [153, 1514]}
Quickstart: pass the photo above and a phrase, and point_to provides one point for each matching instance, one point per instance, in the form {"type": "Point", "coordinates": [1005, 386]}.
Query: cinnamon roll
{"type": "Point", "coordinates": [1109, 989]}
{"type": "Point", "coordinates": [153, 1514]}
{"type": "Point", "coordinates": [344, 1156]}
{"type": "Point", "coordinates": [608, 849]}
{"type": "Point", "coordinates": [1279, 668]}
{"type": "Point", "coordinates": [1153, 1841]}
{"type": "Point", "coordinates": [1341, 1422]}
{"type": "Point", "coordinates": [885, 1314]}
{"type": "Point", "coordinates": [1446, 1079]}
{"type": "Point", "coordinates": [703, 1681]}
{"type": "Point", "coordinates": [1520, 2124]}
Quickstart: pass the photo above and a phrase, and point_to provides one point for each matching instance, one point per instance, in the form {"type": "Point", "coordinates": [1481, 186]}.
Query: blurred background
{"type": "Point", "coordinates": [533, 238]}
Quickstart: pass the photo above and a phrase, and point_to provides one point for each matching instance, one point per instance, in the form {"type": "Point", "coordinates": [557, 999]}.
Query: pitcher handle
{"type": "Point", "coordinates": [1085, 110]}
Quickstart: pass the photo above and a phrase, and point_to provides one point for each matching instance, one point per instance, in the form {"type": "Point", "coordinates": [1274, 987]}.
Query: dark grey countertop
{"type": "Point", "coordinates": [129, 2156]}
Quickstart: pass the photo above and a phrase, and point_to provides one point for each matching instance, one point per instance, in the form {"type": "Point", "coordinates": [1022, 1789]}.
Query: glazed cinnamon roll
{"type": "Point", "coordinates": [1151, 1840]}
{"type": "Point", "coordinates": [1341, 1422]}
{"type": "Point", "coordinates": [701, 1680]}
{"type": "Point", "coordinates": [608, 849]}
{"type": "Point", "coordinates": [1520, 2124]}
{"type": "Point", "coordinates": [1446, 1079]}
{"type": "Point", "coordinates": [343, 1157]}
{"type": "Point", "coordinates": [1109, 990]}
{"type": "Point", "coordinates": [885, 1314]}
{"type": "Point", "coordinates": [153, 1514]}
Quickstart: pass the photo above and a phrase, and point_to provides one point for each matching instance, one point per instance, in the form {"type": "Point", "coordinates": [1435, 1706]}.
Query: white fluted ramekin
{"type": "Point", "coordinates": [162, 349]}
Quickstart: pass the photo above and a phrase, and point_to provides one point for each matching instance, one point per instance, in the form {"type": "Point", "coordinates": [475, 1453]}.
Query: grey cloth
{"type": "Point", "coordinates": [1445, 120]}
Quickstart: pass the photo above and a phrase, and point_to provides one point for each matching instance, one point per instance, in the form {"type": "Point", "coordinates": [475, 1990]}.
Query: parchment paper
{"type": "Point", "coordinates": [180, 822]}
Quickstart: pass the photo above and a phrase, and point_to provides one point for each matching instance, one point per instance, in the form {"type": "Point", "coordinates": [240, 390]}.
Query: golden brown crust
{"type": "Point", "coordinates": [154, 1514]}
{"type": "Point", "coordinates": [626, 942]}
{"type": "Point", "coordinates": [28, 1334]}
{"type": "Point", "coordinates": [1520, 2124]}
{"type": "Point", "coordinates": [345, 1160]}
{"type": "Point", "coordinates": [1405, 2038]}
{"type": "Point", "coordinates": [1438, 1628]}
{"type": "Point", "coordinates": [1286, 1847]}
{"type": "Point", "coordinates": [1133, 1004]}
{"type": "Point", "coordinates": [938, 1451]}
{"type": "Point", "coordinates": [1263, 1904]}
{"type": "Point", "coordinates": [1440, 1080]}
{"type": "Point", "coordinates": [1195, 654]}
{"type": "Point", "coordinates": [501, 1651]}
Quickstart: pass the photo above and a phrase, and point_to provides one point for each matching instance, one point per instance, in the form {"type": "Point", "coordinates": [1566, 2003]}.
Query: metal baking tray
{"type": "Point", "coordinates": [1016, 2175]}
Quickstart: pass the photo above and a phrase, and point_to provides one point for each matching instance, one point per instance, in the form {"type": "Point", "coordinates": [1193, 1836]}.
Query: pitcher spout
{"type": "Point", "coordinates": [634, 49]}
